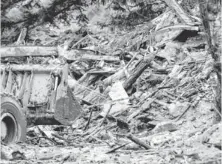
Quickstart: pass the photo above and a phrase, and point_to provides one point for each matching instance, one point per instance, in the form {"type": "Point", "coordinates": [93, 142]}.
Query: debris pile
{"type": "Point", "coordinates": [150, 104]}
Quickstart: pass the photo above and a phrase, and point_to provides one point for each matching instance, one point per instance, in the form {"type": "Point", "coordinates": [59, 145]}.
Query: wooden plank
{"type": "Point", "coordinates": [22, 51]}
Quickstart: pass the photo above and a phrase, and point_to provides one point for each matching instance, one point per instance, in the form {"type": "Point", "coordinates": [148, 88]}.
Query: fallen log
{"type": "Point", "coordinates": [119, 75]}
{"type": "Point", "coordinates": [138, 70]}
{"type": "Point", "coordinates": [179, 11]}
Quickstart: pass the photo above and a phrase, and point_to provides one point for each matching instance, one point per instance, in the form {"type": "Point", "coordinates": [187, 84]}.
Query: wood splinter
{"type": "Point", "coordinates": [138, 141]}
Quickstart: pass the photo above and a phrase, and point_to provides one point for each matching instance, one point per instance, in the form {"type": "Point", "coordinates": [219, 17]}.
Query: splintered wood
{"type": "Point", "coordinates": [148, 93]}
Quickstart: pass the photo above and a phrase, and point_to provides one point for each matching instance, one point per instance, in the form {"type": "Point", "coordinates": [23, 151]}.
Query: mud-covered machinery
{"type": "Point", "coordinates": [34, 91]}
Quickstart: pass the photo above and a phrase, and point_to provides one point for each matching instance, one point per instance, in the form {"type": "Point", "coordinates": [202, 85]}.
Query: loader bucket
{"type": "Point", "coordinates": [67, 108]}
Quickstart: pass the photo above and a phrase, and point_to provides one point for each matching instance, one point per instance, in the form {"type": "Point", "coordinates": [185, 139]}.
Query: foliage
{"type": "Point", "coordinates": [89, 15]}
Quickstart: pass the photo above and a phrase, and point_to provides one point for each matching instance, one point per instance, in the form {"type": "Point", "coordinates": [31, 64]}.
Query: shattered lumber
{"type": "Point", "coordinates": [179, 11]}
{"type": "Point", "coordinates": [193, 104]}
{"type": "Point", "coordinates": [138, 71]}
{"type": "Point", "coordinates": [115, 77]}
{"type": "Point", "coordinates": [144, 107]}
{"type": "Point", "coordinates": [116, 148]}
{"type": "Point", "coordinates": [204, 15]}
{"type": "Point", "coordinates": [138, 141]}
{"type": "Point", "coordinates": [22, 51]}
{"type": "Point", "coordinates": [89, 119]}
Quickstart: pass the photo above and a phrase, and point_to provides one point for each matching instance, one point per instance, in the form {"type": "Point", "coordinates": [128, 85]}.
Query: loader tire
{"type": "Point", "coordinates": [13, 121]}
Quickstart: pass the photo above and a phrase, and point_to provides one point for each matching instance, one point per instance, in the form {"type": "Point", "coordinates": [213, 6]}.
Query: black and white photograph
{"type": "Point", "coordinates": [110, 82]}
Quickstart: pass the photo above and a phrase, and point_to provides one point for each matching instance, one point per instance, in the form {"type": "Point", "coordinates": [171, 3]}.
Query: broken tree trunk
{"type": "Point", "coordinates": [179, 11]}
{"type": "Point", "coordinates": [138, 71]}
{"type": "Point", "coordinates": [119, 75]}
{"type": "Point", "coordinates": [144, 107]}
{"type": "Point", "coordinates": [205, 21]}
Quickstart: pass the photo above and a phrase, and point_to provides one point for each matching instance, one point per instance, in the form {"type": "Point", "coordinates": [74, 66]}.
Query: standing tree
{"type": "Point", "coordinates": [210, 14]}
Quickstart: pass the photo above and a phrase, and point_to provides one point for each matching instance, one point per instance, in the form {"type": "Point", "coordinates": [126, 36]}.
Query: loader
{"type": "Point", "coordinates": [34, 91]}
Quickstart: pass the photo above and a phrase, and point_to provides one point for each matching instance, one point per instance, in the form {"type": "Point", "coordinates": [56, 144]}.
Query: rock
{"type": "Point", "coordinates": [177, 108]}
{"type": "Point", "coordinates": [160, 139]}
{"type": "Point", "coordinates": [170, 52]}
{"type": "Point", "coordinates": [6, 151]}
{"type": "Point", "coordinates": [204, 107]}
{"type": "Point", "coordinates": [165, 126]}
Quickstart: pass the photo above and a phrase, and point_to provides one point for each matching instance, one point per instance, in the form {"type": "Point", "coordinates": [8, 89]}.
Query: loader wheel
{"type": "Point", "coordinates": [13, 121]}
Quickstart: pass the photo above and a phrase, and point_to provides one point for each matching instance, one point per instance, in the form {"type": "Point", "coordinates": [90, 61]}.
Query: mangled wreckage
{"type": "Point", "coordinates": [37, 89]}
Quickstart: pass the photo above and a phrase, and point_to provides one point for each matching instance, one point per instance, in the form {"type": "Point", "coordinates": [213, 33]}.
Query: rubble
{"type": "Point", "coordinates": [155, 107]}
